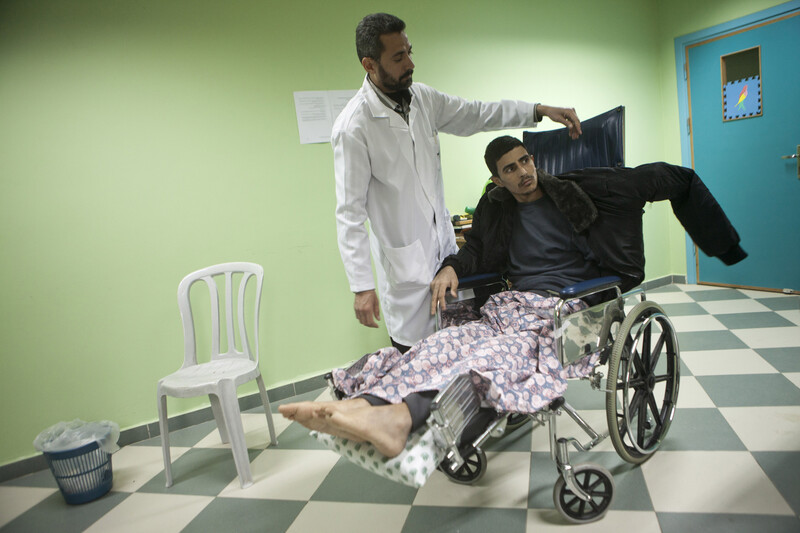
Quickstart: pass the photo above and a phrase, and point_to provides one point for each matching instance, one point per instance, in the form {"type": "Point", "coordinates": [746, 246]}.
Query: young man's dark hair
{"type": "Point", "coordinates": [497, 149]}
{"type": "Point", "coordinates": [369, 31]}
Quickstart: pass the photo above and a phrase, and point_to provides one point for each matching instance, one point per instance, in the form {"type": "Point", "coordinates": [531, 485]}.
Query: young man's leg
{"type": "Point", "coordinates": [366, 419]}
{"type": "Point", "coordinates": [380, 428]}
{"type": "Point", "coordinates": [386, 427]}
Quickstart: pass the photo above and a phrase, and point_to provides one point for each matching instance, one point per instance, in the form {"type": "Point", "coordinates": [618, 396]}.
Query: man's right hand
{"type": "Point", "coordinates": [563, 115]}
{"type": "Point", "coordinates": [367, 308]}
{"type": "Point", "coordinates": [445, 280]}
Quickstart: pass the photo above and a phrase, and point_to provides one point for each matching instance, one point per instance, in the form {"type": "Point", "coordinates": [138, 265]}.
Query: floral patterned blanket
{"type": "Point", "coordinates": [509, 354]}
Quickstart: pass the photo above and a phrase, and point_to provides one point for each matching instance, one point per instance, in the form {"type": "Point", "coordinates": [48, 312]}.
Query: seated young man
{"type": "Point", "coordinates": [544, 233]}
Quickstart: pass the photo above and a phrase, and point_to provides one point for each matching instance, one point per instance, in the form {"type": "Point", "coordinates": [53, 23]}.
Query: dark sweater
{"type": "Point", "coordinates": [605, 205]}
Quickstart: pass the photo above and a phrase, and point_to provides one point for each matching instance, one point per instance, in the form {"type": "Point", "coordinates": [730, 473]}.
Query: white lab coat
{"type": "Point", "coordinates": [390, 173]}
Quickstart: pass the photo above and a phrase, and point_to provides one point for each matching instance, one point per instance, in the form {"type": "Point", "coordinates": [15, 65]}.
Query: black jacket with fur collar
{"type": "Point", "coordinates": [605, 204]}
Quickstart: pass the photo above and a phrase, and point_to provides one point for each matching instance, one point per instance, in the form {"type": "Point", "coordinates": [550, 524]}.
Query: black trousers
{"type": "Point", "coordinates": [419, 405]}
{"type": "Point", "coordinates": [402, 347]}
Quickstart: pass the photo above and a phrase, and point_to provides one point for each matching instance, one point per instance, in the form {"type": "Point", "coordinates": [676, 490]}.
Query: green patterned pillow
{"type": "Point", "coordinates": [412, 467]}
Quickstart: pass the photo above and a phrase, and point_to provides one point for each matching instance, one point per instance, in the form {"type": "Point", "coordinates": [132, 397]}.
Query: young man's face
{"type": "Point", "coordinates": [394, 70]}
{"type": "Point", "coordinates": [517, 173]}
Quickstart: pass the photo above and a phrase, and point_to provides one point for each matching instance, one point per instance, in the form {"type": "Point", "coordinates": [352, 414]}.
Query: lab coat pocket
{"type": "Point", "coordinates": [436, 152]}
{"type": "Point", "coordinates": [407, 267]}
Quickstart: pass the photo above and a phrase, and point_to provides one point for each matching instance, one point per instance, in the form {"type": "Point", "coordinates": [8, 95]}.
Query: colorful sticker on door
{"type": "Point", "coordinates": [742, 98]}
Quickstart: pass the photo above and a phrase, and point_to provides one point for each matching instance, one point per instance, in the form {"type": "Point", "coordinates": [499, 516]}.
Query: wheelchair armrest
{"type": "Point", "coordinates": [478, 280]}
{"type": "Point", "coordinates": [473, 290]}
{"type": "Point", "coordinates": [585, 288]}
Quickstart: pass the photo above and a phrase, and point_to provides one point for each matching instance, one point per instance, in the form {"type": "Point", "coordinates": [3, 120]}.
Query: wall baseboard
{"type": "Point", "coordinates": [662, 281]}
{"type": "Point", "coordinates": [133, 435]}
{"type": "Point", "coordinates": [148, 431]}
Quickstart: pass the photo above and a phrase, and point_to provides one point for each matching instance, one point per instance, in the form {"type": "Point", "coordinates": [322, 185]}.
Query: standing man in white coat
{"type": "Point", "coordinates": [388, 171]}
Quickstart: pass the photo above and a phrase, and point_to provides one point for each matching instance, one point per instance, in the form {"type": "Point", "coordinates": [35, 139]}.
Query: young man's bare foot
{"type": "Point", "coordinates": [386, 426]}
{"type": "Point", "coordinates": [306, 412]}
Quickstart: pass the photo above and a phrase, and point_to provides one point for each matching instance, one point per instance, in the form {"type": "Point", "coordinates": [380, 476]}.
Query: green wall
{"type": "Point", "coordinates": [142, 140]}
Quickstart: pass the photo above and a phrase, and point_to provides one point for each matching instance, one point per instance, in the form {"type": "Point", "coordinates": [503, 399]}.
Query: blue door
{"type": "Point", "coordinates": [740, 159]}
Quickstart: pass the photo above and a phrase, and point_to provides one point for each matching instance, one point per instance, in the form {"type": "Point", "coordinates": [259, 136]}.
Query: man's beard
{"type": "Point", "coordinates": [392, 84]}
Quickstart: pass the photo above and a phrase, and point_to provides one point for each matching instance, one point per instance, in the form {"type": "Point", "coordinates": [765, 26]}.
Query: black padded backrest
{"type": "Point", "coordinates": [602, 144]}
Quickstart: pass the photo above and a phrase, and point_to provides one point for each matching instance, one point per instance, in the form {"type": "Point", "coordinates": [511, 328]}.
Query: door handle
{"type": "Point", "coordinates": [794, 156]}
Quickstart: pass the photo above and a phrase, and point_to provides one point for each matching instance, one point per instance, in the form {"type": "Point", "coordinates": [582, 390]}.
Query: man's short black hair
{"type": "Point", "coordinates": [497, 149]}
{"type": "Point", "coordinates": [369, 31]}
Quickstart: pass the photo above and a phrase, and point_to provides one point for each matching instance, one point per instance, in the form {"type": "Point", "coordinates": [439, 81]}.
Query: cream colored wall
{"type": "Point", "coordinates": [142, 140]}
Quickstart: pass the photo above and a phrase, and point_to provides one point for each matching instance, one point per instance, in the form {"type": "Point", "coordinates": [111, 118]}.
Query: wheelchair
{"type": "Point", "coordinates": [626, 334]}
{"type": "Point", "coordinates": [640, 349]}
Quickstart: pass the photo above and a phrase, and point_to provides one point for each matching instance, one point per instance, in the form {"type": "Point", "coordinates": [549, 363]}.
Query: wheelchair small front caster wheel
{"type": "Point", "coordinates": [471, 471]}
{"type": "Point", "coordinates": [595, 481]}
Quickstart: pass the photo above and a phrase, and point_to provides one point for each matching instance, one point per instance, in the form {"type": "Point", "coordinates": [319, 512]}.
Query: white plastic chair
{"type": "Point", "coordinates": [222, 375]}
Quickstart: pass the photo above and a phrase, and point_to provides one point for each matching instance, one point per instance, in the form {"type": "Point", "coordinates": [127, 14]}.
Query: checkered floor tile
{"type": "Point", "coordinates": [731, 461]}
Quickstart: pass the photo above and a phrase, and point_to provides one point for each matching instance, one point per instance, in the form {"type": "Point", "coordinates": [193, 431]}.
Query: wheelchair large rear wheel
{"type": "Point", "coordinates": [643, 379]}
